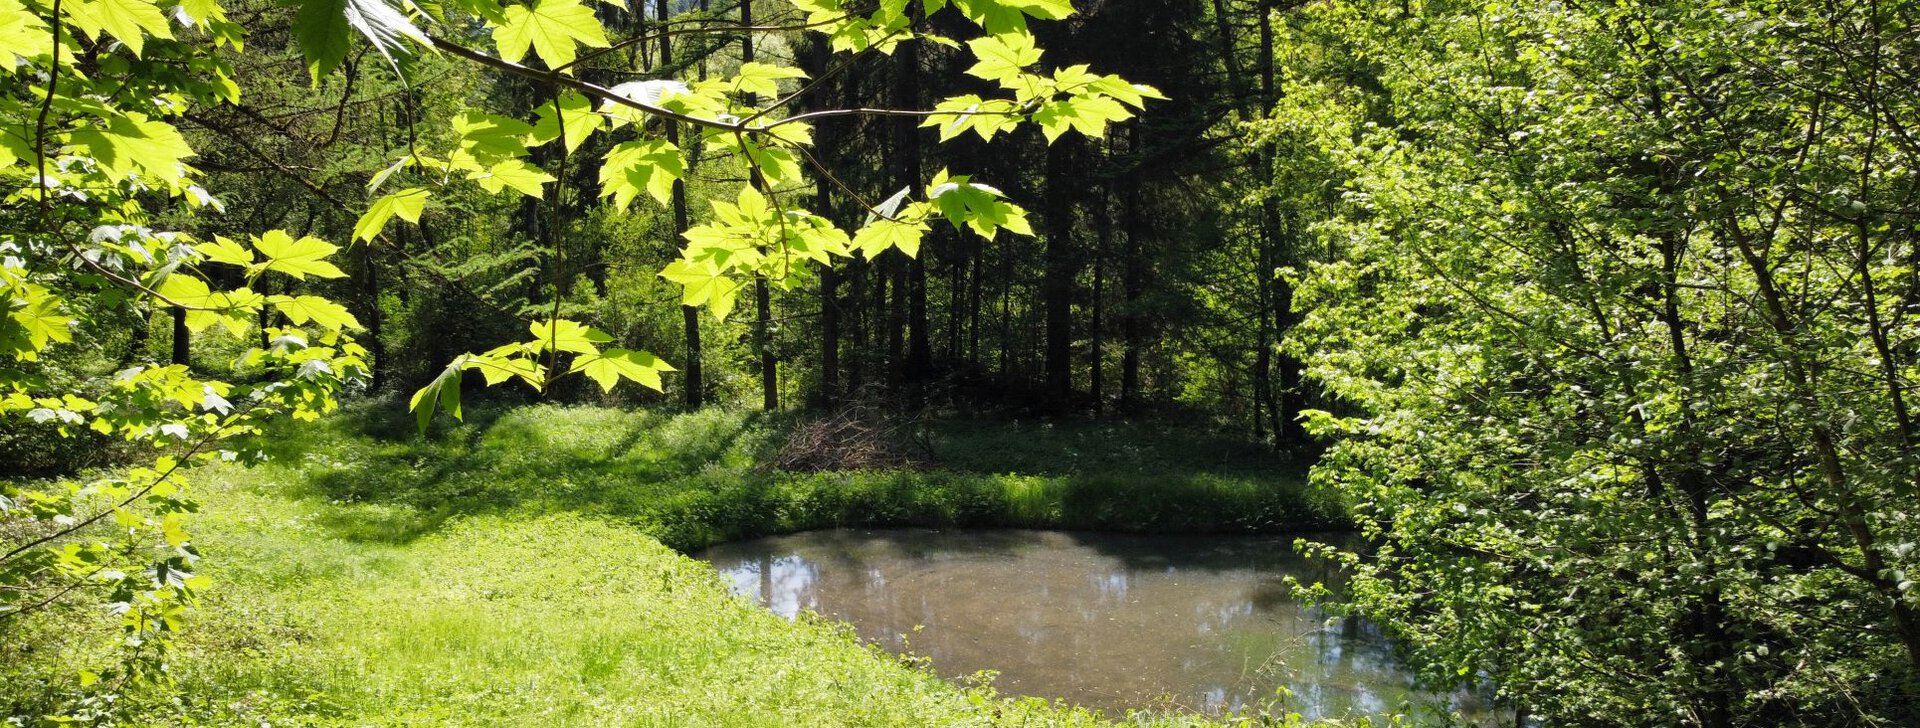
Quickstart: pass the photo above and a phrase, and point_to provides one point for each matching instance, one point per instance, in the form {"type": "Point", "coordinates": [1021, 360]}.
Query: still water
{"type": "Point", "coordinates": [1102, 620]}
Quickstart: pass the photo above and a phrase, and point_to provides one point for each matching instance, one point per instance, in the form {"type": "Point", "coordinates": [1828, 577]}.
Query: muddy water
{"type": "Point", "coordinates": [1106, 621]}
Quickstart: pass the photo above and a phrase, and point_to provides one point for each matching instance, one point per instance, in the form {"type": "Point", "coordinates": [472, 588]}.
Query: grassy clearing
{"type": "Point", "coordinates": [516, 620]}
{"type": "Point", "coordinates": [692, 480]}
{"type": "Point", "coordinates": [516, 570]}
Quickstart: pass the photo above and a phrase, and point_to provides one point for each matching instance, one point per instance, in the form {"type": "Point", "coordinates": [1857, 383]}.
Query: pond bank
{"type": "Point", "coordinates": [512, 572]}
{"type": "Point", "coordinates": [694, 480]}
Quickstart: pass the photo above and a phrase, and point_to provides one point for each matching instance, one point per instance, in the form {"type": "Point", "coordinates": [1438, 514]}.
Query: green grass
{"type": "Point", "coordinates": [516, 620]}
{"type": "Point", "coordinates": [692, 480]}
{"type": "Point", "coordinates": [517, 570]}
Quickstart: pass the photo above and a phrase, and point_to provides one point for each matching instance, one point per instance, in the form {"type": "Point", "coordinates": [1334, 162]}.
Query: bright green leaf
{"type": "Point", "coordinates": [514, 173]}
{"type": "Point", "coordinates": [407, 203]}
{"type": "Point", "coordinates": [320, 27]}
{"type": "Point", "coordinates": [552, 28]}
{"type": "Point", "coordinates": [1002, 56]}
{"type": "Point", "coordinates": [129, 21]}
{"type": "Point", "coordinates": [442, 392]}
{"type": "Point", "coordinates": [297, 258]}
{"type": "Point", "coordinates": [134, 144]}
{"type": "Point", "coordinates": [609, 368]}
{"type": "Point", "coordinates": [301, 309]}
{"type": "Point", "coordinates": [491, 136]}
{"type": "Point", "coordinates": [651, 165]}
{"type": "Point", "coordinates": [567, 336]}
{"type": "Point", "coordinates": [581, 121]}
{"type": "Point", "coordinates": [225, 250]}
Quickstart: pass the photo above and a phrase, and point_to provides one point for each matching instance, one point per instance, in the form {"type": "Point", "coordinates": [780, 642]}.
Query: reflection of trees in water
{"type": "Point", "coordinates": [1205, 623]}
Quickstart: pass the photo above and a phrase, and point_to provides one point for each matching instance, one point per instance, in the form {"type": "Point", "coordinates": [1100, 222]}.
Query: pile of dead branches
{"type": "Point", "coordinates": [859, 435]}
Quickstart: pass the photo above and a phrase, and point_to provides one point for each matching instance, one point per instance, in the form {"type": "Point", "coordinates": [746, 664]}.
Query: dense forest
{"type": "Point", "coordinates": [1595, 321]}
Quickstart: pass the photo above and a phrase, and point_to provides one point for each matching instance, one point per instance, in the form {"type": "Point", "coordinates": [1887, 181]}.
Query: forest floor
{"type": "Point", "coordinates": [519, 569]}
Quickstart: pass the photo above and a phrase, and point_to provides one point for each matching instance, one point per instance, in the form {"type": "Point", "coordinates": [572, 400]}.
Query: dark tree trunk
{"type": "Point", "coordinates": [182, 339]}
{"type": "Point", "coordinates": [763, 340]}
{"type": "Point", "coordinates": [689, 316]}
{"type": "Point", "coordinates": [829, 311]}
{"type": "Point", "coordinates": [137, 340]}
{"type": "Point", "coordinates": [762, 297]}
{"type": "Point", "coordinates": [919, 339]}
{"type": "Point", "coordinates": [1262, 371]}
{"type": "Point", "coordinates": [816, 57]}
{"type": "Point", "coordinates": [896, 307]}
{"type": "Point", "coordinates": [1097, 362]}
{"type": "Point", "coordinates": [1006, 316]}
{"type": "Point", "coordinates": [862, 341]}
{"type": "Point", "coordinates": [829, 337]}
{"type": "Point", "coordinates": [911, 280]}
{"type": "Point", "coordinates": [973, 309]}
{"type": "Point", "coordinates": [1133, 287]}
{"type": "Point", "coordinates": [264, 318]}
{"type": "Point", "coordinates": [1285, 404]}
{"type": "Point", "coordinates": [376, 348]}
{"type": "Point", "coordinates": [1061, 268]}
{"type": "Point", "coordinates": [956, 303]}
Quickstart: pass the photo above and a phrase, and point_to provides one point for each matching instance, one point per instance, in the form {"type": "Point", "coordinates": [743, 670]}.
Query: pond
{"type": "Point", "coordinates": [1102, 620]}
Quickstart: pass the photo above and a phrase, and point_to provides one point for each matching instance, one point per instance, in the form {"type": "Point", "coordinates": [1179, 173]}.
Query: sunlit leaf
{"type": "Point", "coordinates": [297, 258]}
{"type": "Point", "coordinates": [407, 203]}
{"type": "Point", "coordinates": [552, 28]}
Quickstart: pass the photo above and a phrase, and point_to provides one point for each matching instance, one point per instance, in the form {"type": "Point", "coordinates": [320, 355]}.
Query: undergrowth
{"type": "Point", "coordinates": [692, 480]}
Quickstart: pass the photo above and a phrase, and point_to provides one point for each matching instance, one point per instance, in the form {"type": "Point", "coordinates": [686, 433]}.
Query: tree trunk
{"type": "Point", "coordinates": [264, 318]}
{"type": "Point", "coordinates": [973, 310]}
{"type": "Point", "coordinates": [1133, 284]}
{"type": "Point", "coordinates": [956, 303]}
{"type": "Point", "coordinates": [1103, 228]}
{"type": "Point", "coordinates": [137, 340]}
{"type": "Point", "coordinates": [912, 279]}
{"type": "Point", "coordinates": [862, 343]}
{"type": "Point", "coordinates": [689, 316]}
{"type": "Point", "coordinates": [376, 350]}
{"type": "Point", "coordinates": [895, 298]}
{"type": "Point", "coordinates": [1006, 316]}
{"type": "Point", "coordinates": [1285, 404]}
{"type": "Point", "coordinates": [1056, 290]}
{"type": "Point", "coordinates": [182, 339]}
{"type": "Point", "coordinates": [763, 340]}
{"type": "Point", "coordinates": [762, 297]}
{"type": "Point", "coordinates": [816, 57]}
{"type": "Point", "coordinates": [829, 311]}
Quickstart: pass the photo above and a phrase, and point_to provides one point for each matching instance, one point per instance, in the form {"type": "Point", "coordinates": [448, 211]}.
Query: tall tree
{"type": "Point", "coordinates": [762, 295]}
{"type": "Point", "coordinates": [694, 392]}
{"type": "Point", "coordinates": [1064, 180]}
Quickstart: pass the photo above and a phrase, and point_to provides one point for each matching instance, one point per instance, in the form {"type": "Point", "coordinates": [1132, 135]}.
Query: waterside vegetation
{"type": "Point", "coordinates": [516, 568]}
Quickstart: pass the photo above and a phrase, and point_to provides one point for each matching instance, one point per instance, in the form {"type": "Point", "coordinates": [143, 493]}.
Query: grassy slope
{"type": "Point", "coordinates": [494, 574]}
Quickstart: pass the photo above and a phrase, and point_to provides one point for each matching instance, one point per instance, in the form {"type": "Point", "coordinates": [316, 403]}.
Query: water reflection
{"type": "Point", "coordinates": [1106, 621]}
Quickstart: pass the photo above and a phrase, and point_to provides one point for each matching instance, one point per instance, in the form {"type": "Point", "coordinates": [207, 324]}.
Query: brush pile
{"type": "Point", "coordinates": [861, 435]}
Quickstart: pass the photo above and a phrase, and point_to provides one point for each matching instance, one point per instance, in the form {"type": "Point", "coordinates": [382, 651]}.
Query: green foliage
{"type": "Point", "coordinates": [1612, 320]}
{"type": "Point", "coordinates": [759, 236]}
{"type": "Point", "coordinates": [92, 156]}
